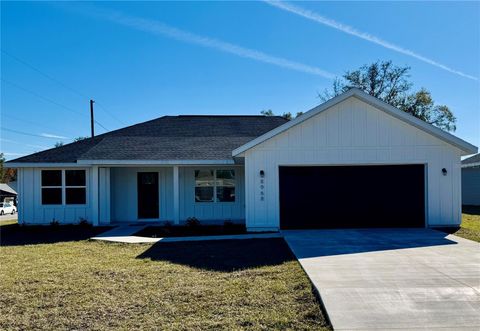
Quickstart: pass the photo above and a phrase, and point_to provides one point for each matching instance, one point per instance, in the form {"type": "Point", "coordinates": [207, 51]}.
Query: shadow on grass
{"type": "Point", "coordinates": [471, 210]}
{"type": "Point", "coordinates": [16, 235]}
{"type": "Point", "coordinates": [187, 231]}
{"type": "Point", "coordinates": [222, 255]}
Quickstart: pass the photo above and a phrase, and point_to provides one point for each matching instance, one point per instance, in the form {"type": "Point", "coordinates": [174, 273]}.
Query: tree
{"type": "Point", "coordinates": [287, 116]}
{"type": "Point", "coordinates": [7, 175]}
{"type": "Point", "coordinates": [391, 84]}
{"type": "Point", "coordinates": [58, 144]}
{"type": "Point", "coordinates": [80, 139]}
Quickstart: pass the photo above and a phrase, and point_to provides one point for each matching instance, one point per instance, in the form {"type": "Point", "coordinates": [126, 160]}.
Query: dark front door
{"type": "Point", "coordinates": [147, 185]}
{"type": "Point", "coordinates": [352, 196]}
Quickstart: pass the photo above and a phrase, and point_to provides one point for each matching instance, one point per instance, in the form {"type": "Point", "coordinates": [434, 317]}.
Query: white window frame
{"type": "Point", "coordinates": [215, 199]}
{"type": "Point", "coordinates": [60, 187]}
{"type": "Point", "coordinates": [64, 187]}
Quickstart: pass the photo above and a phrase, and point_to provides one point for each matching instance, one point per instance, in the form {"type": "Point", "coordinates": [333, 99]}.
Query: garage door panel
{"type": "Point", "coordinates": [352, 196]}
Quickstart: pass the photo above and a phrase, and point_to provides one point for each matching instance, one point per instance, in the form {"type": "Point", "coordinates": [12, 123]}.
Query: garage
{"type": "Point", "coordinates": [353, 161]}
{"type": "Point", "coordinates": [352, 196]}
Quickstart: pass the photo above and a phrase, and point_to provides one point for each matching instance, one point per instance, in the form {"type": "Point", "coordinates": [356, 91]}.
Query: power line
{"type": "Point", "coordinates": [31, 134]}
{"type": "Point", "coordinates": [15, 118]}
{"type": "Point", "coordinates": [51, 101]}
{"type": "Point", "coordinates": [35, 147]}
{"type": "Point", "coordinates": [71, 89]}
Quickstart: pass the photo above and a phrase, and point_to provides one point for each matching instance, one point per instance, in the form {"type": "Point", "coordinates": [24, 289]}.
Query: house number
{"type": "Point", "coordinates": [262, 194]}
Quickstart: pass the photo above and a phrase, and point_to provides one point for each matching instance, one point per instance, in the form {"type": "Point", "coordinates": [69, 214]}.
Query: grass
{"type": "Point", "coordinates": [72, 283]}
{"type": "Point", "coordinates": [470, 227]}
{"type": "Point", "coordinates": [185, 231]}
{"type": "Point", "coordinates": [8, 222]}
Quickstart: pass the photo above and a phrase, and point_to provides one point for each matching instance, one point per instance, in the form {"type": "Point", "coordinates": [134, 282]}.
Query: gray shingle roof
{"type": "Point", "coordinates": [165, 138]}
{"type": "Point", "coordinates": [472, 159]}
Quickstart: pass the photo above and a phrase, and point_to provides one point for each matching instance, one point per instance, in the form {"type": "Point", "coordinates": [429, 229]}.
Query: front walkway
{"type": "Point", "coordinates": [381, 279]}
{"type": "Point", "coordinates": [125, 234]}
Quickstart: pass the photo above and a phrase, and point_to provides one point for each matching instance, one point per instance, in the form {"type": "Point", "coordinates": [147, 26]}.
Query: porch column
{"type": "Point", "coordinates": [94, 196]}
{"type": "Point", "coordinates": [104, 195]}
{"type": "Point", "coordinates": [176, 196]}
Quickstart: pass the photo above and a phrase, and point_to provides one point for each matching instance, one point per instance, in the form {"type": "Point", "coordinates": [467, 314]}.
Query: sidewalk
{"type": "Point", "coordinates": [125, 234]}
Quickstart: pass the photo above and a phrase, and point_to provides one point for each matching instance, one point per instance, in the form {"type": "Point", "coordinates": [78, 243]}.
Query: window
{"type": "Point", "coordinates": [68, 183]}
{"type": "Point", "coordinates": [75, 187]}
{"type": "Point", "coordinates": [204, 184]}
{"type": "Point", "coordinates": [225, 185]}
{"type": "Point", "coordinates": [51, 187]}
{"type": "Point", "coordinates": [218, 185]}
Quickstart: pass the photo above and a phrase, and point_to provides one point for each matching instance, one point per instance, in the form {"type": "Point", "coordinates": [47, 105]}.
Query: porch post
{"type": "Point", "coordinates": [176, 196]}
{"type": "Point", "coordinates": [104, 195]}
{"type": "Point", "coordinates": [94, 196]}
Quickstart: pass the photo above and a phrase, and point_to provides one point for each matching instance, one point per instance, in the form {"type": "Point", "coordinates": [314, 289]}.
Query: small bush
{"type": "Point", "coordinates": [54, 222]}
{"type": "Point", "coordinates": [192, 222]}
{"type": "Point", "coordinates": [83, 222]}
{"type": "Point", "coordinates": [228, 224]}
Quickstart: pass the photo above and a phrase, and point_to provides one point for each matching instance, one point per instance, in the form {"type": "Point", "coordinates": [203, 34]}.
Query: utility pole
{"type": "Point", "coordinates": [92, 121]}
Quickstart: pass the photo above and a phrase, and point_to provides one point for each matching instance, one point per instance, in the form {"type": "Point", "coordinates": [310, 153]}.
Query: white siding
{"type": "Point", "coordinates": [353, 133]}
{"type": "Point", "coordinates": [209, 211]}
{"type": "Point", "coordinates": [32, 211]}
{"type": "Point", "coordinates": [471, 186]}
{"type": "Point", "coordinates": [123, 183]}
{"type": "Point", "coordinates": [124, 202]}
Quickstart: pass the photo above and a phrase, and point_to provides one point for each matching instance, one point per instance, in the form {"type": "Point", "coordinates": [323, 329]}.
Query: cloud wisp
{"type": "Point", "coordinates": [161, 29]}
{"type": "Point", "coordinates": [313, 16]}
{"type": "Point", "coordinates": [50, 135]}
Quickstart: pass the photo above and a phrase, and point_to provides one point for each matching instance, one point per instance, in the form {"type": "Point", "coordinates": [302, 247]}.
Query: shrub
{"type": "Point", "coordinates": [83, 222]}
{"type": "Point", "coordinates": [228, 224]}
{"type": "Point", "coordinates": [192, 222]}
{"type": "Point", "coordinates": [54, 222]}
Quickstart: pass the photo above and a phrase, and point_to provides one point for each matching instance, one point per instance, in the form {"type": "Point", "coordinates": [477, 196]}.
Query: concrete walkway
{"type": "Point", "coordinates": [392, 279]}
{"type": "Point", "coordinates": [124, 234]}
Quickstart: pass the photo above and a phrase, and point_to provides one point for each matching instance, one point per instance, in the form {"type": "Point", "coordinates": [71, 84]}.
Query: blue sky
{"type": "Point", "coordinates": [144, 60]}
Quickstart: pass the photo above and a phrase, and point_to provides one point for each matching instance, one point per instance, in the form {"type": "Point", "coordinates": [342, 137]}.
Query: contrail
{"type": "Point", "coordinates": [49, 135]}
{"type": "Point", "coordinates": [363, 35]}
{"type": "Point", "coordinates": [158, 28]}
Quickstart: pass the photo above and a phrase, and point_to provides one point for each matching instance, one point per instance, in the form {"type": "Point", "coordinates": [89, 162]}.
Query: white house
{"type": "Point", "coordinates": [471, 181]}
{"type": "Point", "coordinates": [353, 161]}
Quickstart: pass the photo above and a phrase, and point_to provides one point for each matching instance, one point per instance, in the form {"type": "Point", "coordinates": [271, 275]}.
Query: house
{"type": "Point", "coordinates": [353, 161]}
{"type": "Point", "coordinates": [7, 191]}
{"type": "Point", "coordinates": [471, 181]}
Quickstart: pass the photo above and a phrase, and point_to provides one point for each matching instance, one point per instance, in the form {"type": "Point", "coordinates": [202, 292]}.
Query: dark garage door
{"type": "Point", "coordinates": [352, 196]}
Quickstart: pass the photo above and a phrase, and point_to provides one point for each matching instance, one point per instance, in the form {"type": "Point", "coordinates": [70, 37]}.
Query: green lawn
{"type": "Point", "coordinates": [470, 227]}
{"type": "Point", "coordinates": [73, 283]}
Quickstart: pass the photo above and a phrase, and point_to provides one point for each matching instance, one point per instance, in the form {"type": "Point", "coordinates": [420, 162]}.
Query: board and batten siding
{"type": "Point", "coordinates": [124, 200]}
{"type": "Point", "coordinates": [210, 211]}
{"type": "Point", "coordinates": [353, 132]}
{"type": "Point", "coordinates": [471, 186]}
{"type": "Point", "coordinates": [31, 210]}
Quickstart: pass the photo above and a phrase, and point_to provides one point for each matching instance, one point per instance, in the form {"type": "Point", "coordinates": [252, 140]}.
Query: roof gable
{"type": "Point", "coordinates": [466, 147]}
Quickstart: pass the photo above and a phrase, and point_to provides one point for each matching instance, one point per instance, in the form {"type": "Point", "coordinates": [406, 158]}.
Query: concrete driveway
{"type": "Point", "coordinates": [392, 278]}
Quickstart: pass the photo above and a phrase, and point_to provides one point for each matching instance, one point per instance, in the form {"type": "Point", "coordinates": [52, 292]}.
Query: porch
{"type": "Point", "coordinates": [136, 194]}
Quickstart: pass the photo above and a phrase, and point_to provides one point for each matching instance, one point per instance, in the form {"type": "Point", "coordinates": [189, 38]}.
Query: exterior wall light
{"type": "Point", "coordinates": [444, 171]}
{"type": "Point", "coordinates": [262, 173]}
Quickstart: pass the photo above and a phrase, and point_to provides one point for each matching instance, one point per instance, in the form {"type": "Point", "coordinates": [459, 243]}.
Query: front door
{"type": "Point", "coordinates": [147, 188]}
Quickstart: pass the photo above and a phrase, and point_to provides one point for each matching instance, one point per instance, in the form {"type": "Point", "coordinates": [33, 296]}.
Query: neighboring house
{"type": "Point", "coordinates": [6, 191]}
{"type": "Point", "coordinates": [353, 161]}
{"type": "Point", "coordinates": [471, 180]}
